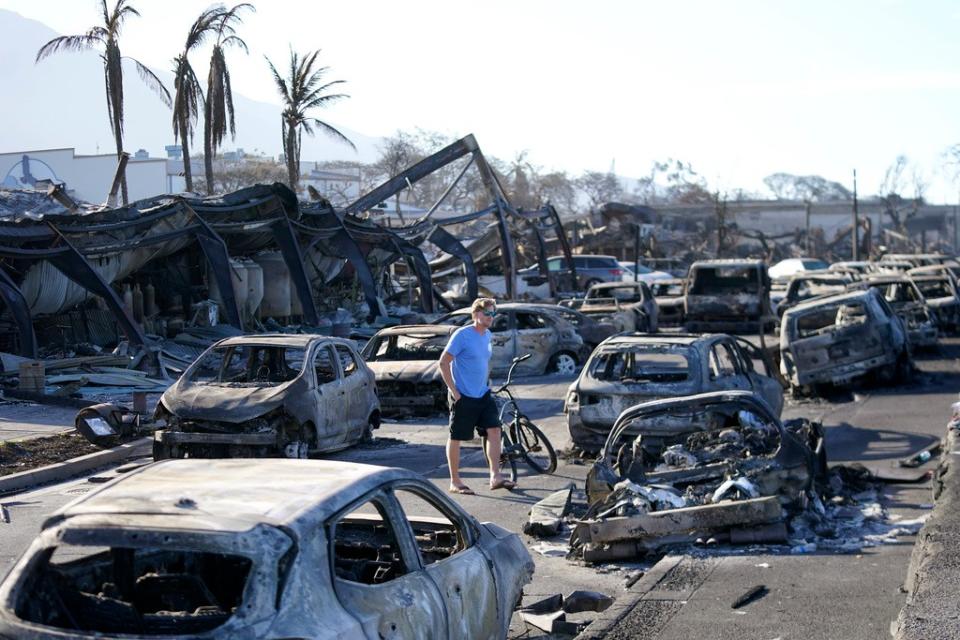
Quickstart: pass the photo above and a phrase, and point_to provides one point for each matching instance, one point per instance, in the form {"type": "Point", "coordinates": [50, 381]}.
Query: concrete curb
{"type": "Point", "coordinates": [60, 471]}
{"type": "Point", "coordinates": [624, 604]}
{"type": "Point", "coordinates": [933, 577]}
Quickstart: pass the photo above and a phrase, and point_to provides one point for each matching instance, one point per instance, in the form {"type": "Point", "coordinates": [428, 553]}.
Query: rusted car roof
{"type": "Point", "coordinates": [816, 302]}
{"type": "Point", "coordinates": [660, 338]}
{"type": "Point", "coordinates": [728, 262]}
{"type": "Point", "coordinates": [220, 491]}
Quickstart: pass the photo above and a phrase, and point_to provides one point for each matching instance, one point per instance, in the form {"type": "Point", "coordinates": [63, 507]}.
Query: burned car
{"type": "Point", "coordinates": [727, 295]}
{"type": "Point", "coordinates": [591, 330]}
{"type": "Point", "coordinates": [806, 285]}
{"type": "Point", "coordinates": [628, 369]}
{"type": "Point", "coordinates": [675, 469]}
{"type": "Point", "coordinates": [629, 306]}
{"type": "Point", "coordinates": [519, 329]}
{"type": "Point", "coordinates": [940, 293]}
{"type": "Point", "coordinates": [405, 362]}
{"type": "Point", "coordinates": [268, 395]}
{"type": "Point", "coordinates": [840, 338]}
{"type": "Point", "coordinates": [668, 292]}
{"type": "Point", "coordinates": [272, 549]}
{"type": "Point", "coordinates": [908, 302]}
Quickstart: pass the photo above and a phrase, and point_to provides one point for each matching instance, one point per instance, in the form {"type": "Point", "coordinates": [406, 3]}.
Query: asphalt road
{"type": "Point", "coordinates": [818, 595]}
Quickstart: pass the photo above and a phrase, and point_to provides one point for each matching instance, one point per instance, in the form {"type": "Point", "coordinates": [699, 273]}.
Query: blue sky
{"type": "Point", "coordinates": [740, 89]}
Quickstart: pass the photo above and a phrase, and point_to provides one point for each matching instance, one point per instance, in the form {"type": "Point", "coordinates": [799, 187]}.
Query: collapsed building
{"type": "Point", "coordinates": [73, 273]}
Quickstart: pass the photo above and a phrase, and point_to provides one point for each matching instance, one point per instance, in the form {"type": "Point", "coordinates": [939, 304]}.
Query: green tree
{"type": "Point", "coordinates": [303, 90]}
{"type": "Point", "coordinates": [105, 38]}
{"type": "Point", "coordinates": [218, 109]}
{"type": "Point", "coordinates": [188, 94]}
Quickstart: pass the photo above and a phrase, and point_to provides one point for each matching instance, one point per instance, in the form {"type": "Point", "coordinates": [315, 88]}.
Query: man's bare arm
{"type": "Point", "coordinates": [447, 374]}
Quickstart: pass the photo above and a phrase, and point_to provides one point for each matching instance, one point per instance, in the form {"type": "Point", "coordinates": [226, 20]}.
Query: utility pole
{"type": "Point", "coordinates": [807, 236]}
{"type": "Point", "coordinates": [855, 230]}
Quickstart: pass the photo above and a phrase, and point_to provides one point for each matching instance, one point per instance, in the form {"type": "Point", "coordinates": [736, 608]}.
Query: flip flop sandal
{"type": "Point", "coordinates": [503, 483]}
{"type": "Point", "coordinates": [462, 490]}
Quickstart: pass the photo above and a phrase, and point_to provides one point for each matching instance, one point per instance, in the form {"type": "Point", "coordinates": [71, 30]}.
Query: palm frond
{"type": "Point", "coordinates": [279, 81]}
{"type": "Point", "coordinates": [66, 43]}
{"type": "Point", "coordinates": [334, 133]}
{"type": "Point", "coordinates": [235, 41]}
{"type": "Point", "coordinates": [152, 81]}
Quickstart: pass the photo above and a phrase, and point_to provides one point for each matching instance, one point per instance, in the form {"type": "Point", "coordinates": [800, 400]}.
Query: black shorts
{"type": "Point", "coordinates": [467, 414]}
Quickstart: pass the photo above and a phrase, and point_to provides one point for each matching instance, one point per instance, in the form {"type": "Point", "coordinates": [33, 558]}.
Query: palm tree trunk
{"type": "Point", "coordinates": [292, 153]}
{"type": "Point", "coordinates": [208, 148]}
{"type": "Point", "coordinates": [185, 149]}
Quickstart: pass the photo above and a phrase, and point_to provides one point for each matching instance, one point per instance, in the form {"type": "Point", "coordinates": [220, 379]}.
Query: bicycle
{"type": "Point", "coordinates": [519, 437]}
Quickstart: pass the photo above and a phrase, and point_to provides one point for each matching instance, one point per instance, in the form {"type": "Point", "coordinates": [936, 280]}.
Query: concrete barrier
{"type": "Point", "coordinates": [933, 577]}
{"type": "Point", "coordinates": [61, 471]}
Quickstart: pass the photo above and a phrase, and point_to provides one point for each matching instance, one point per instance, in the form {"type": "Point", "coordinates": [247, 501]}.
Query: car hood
{"type": "Point", "coordinates": [406, 370]}
{"type": "Point", "coordinates": [200, 401]}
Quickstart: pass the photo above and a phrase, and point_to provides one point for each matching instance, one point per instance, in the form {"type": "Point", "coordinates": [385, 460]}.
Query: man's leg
{"type": "Point", "coordinates": [493, 453]}
{"type": "Point", "coordinates": [453, 461]}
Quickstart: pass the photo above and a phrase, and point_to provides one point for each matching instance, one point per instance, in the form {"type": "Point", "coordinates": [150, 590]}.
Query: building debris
{"type": "Point", "coordinates": [580, 601]}
{"type": "Point", "coordinates": [547, 516]}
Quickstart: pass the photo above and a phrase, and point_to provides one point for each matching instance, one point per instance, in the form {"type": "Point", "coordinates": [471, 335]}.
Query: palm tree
{"type": "Point", "coordinates": [188, 94]}
{"type": "Point", "coordinates": [301, 91]}
{"type": "Point", "coordinates": [106, 37]}
{"type": "Point", "coordinates": [218, 111]}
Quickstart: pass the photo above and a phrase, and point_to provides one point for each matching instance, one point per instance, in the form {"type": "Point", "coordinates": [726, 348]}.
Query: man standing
{"type": "Point", "coordinates": [472, 405]}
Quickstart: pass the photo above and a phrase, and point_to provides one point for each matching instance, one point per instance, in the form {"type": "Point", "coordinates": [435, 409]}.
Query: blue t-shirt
{"type": "Point", "coordinates": [471, 353]}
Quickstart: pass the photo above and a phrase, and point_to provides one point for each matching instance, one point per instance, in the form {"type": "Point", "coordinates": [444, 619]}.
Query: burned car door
{"type": "Point", "coordinates": [725, 372]}
{"type": "Point", "coordinates": [332, 419]}
{"type": "Point", "coordinates": [503, 341]}
{"type": "Point", "coordinates": [353, 386]}
{"type": "Point", "coordinates": [767, 382]}
{"type": "Point", "coordinates": [537, 337]}
{"type": "Point", "coordinates": [378, 577]}
{"type": "Point", "coordinates": [451, 557]}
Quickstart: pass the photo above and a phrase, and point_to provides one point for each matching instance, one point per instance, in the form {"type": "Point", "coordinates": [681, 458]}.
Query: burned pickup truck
{"type": "Point", "coordinates": [727, 295]}
{"type": "Point", "coordinates": [271, 549]}
{"type": "Point", "coordinates": [626, 370]}
{"type": "Point", "coordinates": [405, 360]}
{"type": "Point", "coordinates": [710, 465]}
{"type": "Point", "coordinates": [268, 395]}
{"type": "Point", "coordinates": [837, 339]}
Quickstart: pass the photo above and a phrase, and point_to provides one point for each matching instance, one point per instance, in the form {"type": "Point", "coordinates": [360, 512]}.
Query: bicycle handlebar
{"type": "Point", "coordinates": [513, 365]}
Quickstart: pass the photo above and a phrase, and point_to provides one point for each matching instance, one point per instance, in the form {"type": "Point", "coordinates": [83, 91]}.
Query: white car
{"type": "Point", "coordinates": [271, 549]}
{"type": "Point", "coordinates": [646, 274]}
{"type": "Point", "coordinates": [790, 266]}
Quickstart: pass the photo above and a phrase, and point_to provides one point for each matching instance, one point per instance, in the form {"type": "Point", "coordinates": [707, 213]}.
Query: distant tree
{"type": "Point", "coordinates": [247, 172]}
{"type": "Point", "coordinates": [302, 91]}
{"type": "Point", "coordinates": [105, 38]}
{"type": "Point", "coordinates": [599, 188]}
{"type": "Point", "coordinates": [672, 181]}
{"type": "Point", "coordinates": [188, 94]}
{"type": "Point", "coordinates": [558, 189]}
{"type": "Point", "coordinates": [218, 108]}
{"type": "Point", "coordinates": [786, 186]}
{"type": "Point", "coordinates": [898, 207]}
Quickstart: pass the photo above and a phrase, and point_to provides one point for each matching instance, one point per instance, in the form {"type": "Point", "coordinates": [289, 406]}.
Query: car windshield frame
{"type": "Point", "coordinates": [267, 365]}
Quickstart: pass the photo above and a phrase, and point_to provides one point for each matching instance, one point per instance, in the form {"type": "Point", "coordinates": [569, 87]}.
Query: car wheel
{"type": "Point", "coordinates": [563, 363]}
{"type": "Point", "coordinates": [161, 451]}
{"type": "Point", "coordinates": [592, 281]}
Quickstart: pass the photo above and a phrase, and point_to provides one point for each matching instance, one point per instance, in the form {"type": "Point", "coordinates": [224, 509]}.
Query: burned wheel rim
{"type": "Point", "coordinates": [564, 363]}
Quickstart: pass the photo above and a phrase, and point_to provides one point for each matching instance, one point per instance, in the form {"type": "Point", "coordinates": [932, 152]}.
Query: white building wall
{"type": "Point", "coordinates": [88, 177]}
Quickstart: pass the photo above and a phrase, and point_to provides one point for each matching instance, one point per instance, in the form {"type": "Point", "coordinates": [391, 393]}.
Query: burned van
{"type": "Point", "coordinates": [727, 295]}
{"type": "Point", "coordinates": [840, 338]}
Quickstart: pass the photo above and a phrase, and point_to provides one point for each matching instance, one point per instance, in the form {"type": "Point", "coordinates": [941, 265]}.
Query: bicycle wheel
{"type": "Point", "coordinates": [508, 459]}
{"type": "Point", "coordinates": [535, 447]}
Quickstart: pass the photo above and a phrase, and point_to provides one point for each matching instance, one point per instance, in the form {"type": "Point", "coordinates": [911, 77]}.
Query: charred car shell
{"type": "Point", "coordinates": [733, 462]}
{"type": "Point", "coordinates": [629, 369]}
{"type": "Point", "coordinates": [837, 339]}
{"type": "Point", "coordinates": [269, 395]}
{"type": "Point", "coordinates": [405, 362]}
{"type": "Point", "coordinates": [273, 549]}
{"type": "Point", "coordinates": [905, 298]}
{"type": "Point", "coordinates": [727, 295]}
{"type": "Point", "coordinates": [629, 306]}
